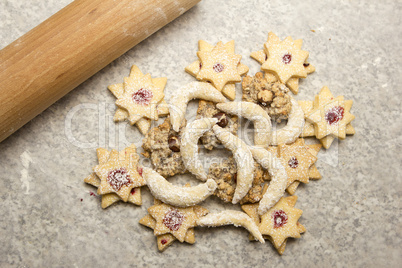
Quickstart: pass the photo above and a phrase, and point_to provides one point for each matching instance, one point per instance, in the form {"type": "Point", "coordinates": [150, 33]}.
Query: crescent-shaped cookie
{"type": "Point", "coordinates": [279, 178]}
{"type": "Point", "coordinates": [193, 90]}
{"type": "Point", "coordinates": [293, 128]}
{"type": "Point", "coordinates": [253, 112]}
{"type": "Point", "coordinates": [237, 218]}
{"type": "Point", "coordinates": [175, 195]}
{"type": "Point", "coordinates": [189, 145]}
{"type": "Point", "coordinates": [244, 161]}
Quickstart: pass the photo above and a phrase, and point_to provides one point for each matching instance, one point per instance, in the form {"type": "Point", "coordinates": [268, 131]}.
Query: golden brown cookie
{"type": "Point", "coordinates": [103, 155]}
{"type": "Point", "coordinates": [165, 240]}
{"type": "Point", "coordinates": [109, 199]}
{"type": "Point", "coordinates": [229, 89]}
{"type": "Point", "coordinates": [162, 145]}
{"type": "Point", "coordinates": [313, 172]}
{"type": "Point", "coordinates": [225, 175]}
{"type": "Point", "coordinates": [285, 59]}
{"type": "Point", "coordinates": [281, 222]}
{"type": "Point", "coordinates": [327, 117]}
{"type": "Point", "coordinates": [252, 211]}
{"type": "Point", "coordinates": [118, 90]}
{"type": "Point", "coordinates": [269, 93]}
{"type": "Point", "coordinates": [261, 57]}
{"type": "Point", "coordinates": [173, 220]}
{"type": "Point", "coordinates": [297, 160]}
{"type": "Point", "coordinates": [119, 175]}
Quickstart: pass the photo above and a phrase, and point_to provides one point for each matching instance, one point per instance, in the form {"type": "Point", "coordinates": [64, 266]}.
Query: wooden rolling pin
{"type": "Point", "coordinates": [55, 57]}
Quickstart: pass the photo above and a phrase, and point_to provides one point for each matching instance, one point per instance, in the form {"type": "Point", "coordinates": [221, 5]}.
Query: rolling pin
{"type": "Point", "coordinates": [72, 45]}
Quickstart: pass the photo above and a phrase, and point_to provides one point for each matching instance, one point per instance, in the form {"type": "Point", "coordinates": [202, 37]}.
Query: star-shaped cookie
{"type": "Point", "coordinates": [261, 57]}
{"type": "Point", "coordinates": [280, 222]}
{"type": "Point", "coordinates": [165, 240]}
{"type": "Point", "coordinates": [173, 220]}
{"type": "Point", "coordinates": [118, 91]}
{"type": "Point", "coordinates": [308, 106]}
{"type": "Point", "coordinates": [313, 172]}
{"type": "Point", "coordinates": [284, 59]}
{"type": "Point", "coordinates": [298, 159]}
{"type": "Point", "coordinates": [330, 117]}
{"type": "Point", "coordinates": [109, 199]}
{"type": "Point", "coordinates": [252, 211]}
{"type": "Point", "coordinates": [119, 173]}
{"type": "Point", "coordinates": [229, 89]}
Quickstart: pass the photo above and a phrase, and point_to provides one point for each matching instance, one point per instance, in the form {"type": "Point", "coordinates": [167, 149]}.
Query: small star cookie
{"type": "Point", "coordinates": [228, 90]}
{"type": "Point", "coordinates": [325, 96]}
{"type": "Point", "coordinates": [287, 63]}
{"type": "Point", "coordinates": [298, 159]}
{"type": "Point", "coordinates": [165, 240]}
{"type": "Point", "coordinates": [173, 220]}
{"type": "Point", "coordinates": [330, 117]}
{"type": "Point", "coordinates": [140, 99]}
{"type": "Point", "coordinates": [119, 175]}
{"type": "Point", "coordinates": [109, 199]}
{"type": "Point", "coordinates": [281, 222]}
{"type": "Point", "coordinates": [313, 172]}
{"type": "Point", "coordinates": [252, 211]}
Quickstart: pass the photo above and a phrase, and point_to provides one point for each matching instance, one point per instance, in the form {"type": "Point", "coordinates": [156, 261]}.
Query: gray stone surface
{"type": "Point", "coordinates": [352, 216]}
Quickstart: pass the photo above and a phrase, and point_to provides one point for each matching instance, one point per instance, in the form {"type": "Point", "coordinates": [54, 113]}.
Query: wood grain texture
{"type": "Point", "coordinates": [62, 52]}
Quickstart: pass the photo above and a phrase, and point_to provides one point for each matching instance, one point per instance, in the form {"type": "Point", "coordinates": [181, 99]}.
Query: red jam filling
{"type": "Point", "coordinates": [280, 218]}
{"type": "Point", "coordinates": [163, 241]}
{"type": "Point", "coordinates": [200, 65]}
{"type": "Point", "coordinates": [173, 219]}
{"type": "Point", "coordinates": [133, 191]}
{"type": "Point", "coordinates": [118, 178]}
{"type": "Point", "coordinates": [293, 162]}
{"type": "Point", "coordinates": [142, 96]}
{"type": "Point", "coordinates": [287, 58]}
{"type": "Point", "coordinates": [334, 115]}
{"type": "Point", "coordinates": [218, 67]}
{"type": "Point", "coordinates": [140, 171]}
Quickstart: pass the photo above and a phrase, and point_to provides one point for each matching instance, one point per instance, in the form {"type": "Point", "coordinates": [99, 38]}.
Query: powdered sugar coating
{"type": "Point", "coordinates": [279, 178]}
{"type": "Point", "coordinates": [175, 195]}
{"type": "Point", "coordinates": [173, 219]}
{"type": "Point", "coordinates": [244, 161]}
{"type": "Point", "coordinates": [189, 145]}
{"type": "Point", "coordinates": [237, 218]}
{"type": "Point", "coordinates": [193, 90]}
{"type": "Point", "coordinates": [118, 177]}
{"type": "Point", "coordinates": [293, 128]}
{"type": "Point", "coordinates": [253, 112]}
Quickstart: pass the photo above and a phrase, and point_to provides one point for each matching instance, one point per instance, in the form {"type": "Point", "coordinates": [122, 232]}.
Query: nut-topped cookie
{"type": "Point", "coordinates": [269, 93]}
{"type": "Point", "coordinates": [162, 146]}
{"type": "Point", "coordinates": [225, 175]}
{"type": "Point", "coordinates": [230, 122]}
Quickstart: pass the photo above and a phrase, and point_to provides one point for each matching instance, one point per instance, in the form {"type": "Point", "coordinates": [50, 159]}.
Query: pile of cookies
{"type": "Point", "coordinates": [258, 174]}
